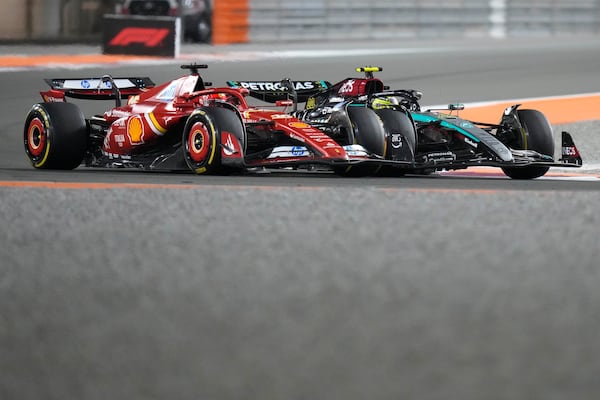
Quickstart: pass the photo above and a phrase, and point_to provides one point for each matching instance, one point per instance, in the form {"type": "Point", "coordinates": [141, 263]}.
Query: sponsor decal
{"type": "Point", "coordinates": [569, 151]}
{"type": "Point", "coordinates": [303, 85]}
{"type": "Point", "coordinates": [289, 152]}
{"type": "Point", "coordinates": [466, 124]}
{"type": "Point", "coordinates": [347, 87]}
{"type": "Point", "coordinates": [135, 130]}
{"type": "Point", "coordinates": [441, 156]}
{"type": "Point", "coordinates": [133, 99]}
{"type": "Point", "coordinates": [52, 99]}
{"type": "Point", "coordinates": [275, 86]}
{"type": "Point", "coordinates": [356, 150]}
{"type": "Point", "coordinates": [149, 37]}
{"type": "Point", "coordinates": [296, 124]}
{"type": "Point", "coordinates": [320, 120]}
{"type": "Point", "coordinates": [470, 142]}
{"type": "Point", "coordinates": [228, 146]}
{"type": "Point", "coordinates": [96, 83]}
{"type": "Point", "coordinates": [118, 114]}
{"type": "Point", "coordinates": [397, 140]}
{"type": "Point", "coordinates": [280, 116]}
{"type": "Point", "coordinates": [298, 150]}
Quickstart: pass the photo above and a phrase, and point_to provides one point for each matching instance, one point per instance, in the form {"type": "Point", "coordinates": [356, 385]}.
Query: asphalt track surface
{"type": "Point", "coordinates": [132, 285]}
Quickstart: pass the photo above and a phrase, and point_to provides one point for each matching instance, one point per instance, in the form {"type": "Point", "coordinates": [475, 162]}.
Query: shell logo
{"type": "Point", "coordinates": [135, 130]}
{"type": "Point", "coordinates": [299, 125]}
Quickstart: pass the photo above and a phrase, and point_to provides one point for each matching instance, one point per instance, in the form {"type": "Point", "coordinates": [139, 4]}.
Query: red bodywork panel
{"type": "Point", "coordinates": [151, 113]}
{"type": "Point", "coordinates": [354, 87]}
{"type": "Point", "coordinates": [298, 130]}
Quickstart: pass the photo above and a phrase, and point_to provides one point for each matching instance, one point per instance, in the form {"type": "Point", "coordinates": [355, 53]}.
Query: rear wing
{"type": "Point", "coordinates": [102, 88]}
{"type": "Point", "coordinates": [273, 91]}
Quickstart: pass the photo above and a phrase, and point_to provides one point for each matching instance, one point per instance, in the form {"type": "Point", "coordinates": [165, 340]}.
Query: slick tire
{"type": "Point", "coordinates": [539, 137]}
{"type": "Point", "coordinates": [55, 136]}
{"type": "Point", "coordinates": [369, 132]}
{"type": "Point", "coordinates": [201, 140]}
{"type": "Point", "coordinates": [397, 123]}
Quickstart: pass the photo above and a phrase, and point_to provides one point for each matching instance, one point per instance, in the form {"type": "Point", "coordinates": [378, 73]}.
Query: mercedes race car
{"type": "Point", "coordinates": [390, 124]}
{"type": "Point", "coordinates": [179, 125]}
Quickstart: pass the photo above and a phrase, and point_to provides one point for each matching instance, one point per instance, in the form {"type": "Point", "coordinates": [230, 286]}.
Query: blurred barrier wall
{"type": "Point", "coordinates": [53, 20]}
{"type": "Point", "coordinates": [299, 20]}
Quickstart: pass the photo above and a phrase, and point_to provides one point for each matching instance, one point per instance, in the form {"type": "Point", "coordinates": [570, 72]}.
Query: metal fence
{"type": "Point", "coordinates": [293, 20]}
{"type": "Point", "coordinates": [285, 20]}
{"type": "Point", "coordinates": [551, 17]}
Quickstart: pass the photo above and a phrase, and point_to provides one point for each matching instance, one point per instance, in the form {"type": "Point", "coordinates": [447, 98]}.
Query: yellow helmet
{"type": "Point", "coordinates": [384, 102]}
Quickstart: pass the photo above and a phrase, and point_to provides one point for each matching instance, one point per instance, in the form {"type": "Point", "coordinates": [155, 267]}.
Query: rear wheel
{"type": "Point", "coordinates": [368, 132]}
{"type": "Point", "coordinates": [538, 136]}
{"type": "Point", "coordinates": [55, 135]}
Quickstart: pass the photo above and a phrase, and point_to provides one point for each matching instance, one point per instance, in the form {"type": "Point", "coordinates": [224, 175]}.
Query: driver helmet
{"type": "Point", "coordinates": [384, 102]}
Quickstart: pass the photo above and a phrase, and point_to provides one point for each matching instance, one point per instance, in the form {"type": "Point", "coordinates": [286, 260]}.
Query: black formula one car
{"type": "Point", "coordinates": [390, 124]}
{"type": "Point", "coordinates": [179, 125]}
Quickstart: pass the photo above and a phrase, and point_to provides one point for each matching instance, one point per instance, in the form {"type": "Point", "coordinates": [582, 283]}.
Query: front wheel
{"type": "Point", "coordinates": [368, 131]}
{"type": "Point", "coordinates": [55, 136]}
{"type": "Point", "coordinates": [538, 136]}
{"type": "Point", "coordinates": [401, 139]}
{"type": "Point", "coordinates": [201, 140]}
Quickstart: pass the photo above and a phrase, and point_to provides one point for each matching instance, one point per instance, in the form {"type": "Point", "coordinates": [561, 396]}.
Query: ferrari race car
{"type": "Point", "coordinates": [179, 125]}
{"type": "Point", "coordinates": [390, 125]}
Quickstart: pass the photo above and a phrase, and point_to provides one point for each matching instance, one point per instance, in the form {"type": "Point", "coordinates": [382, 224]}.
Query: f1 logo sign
{"type": "Point", "coordinates": [149, 37]}
{"type": "Point", "coordinates": [144, 36]}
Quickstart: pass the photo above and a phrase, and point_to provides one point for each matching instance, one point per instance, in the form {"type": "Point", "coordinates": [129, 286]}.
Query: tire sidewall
{"type": "Point", "coordinates": [539, 132]}
{"type": "Point", "coordinates": [368, 129]}
{"type": "Point", "coordinates": [38, 136]}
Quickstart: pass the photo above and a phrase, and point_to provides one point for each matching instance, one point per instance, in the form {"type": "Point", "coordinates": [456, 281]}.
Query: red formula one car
{"type": "Point", "coordinates": [179, 125]}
